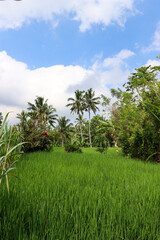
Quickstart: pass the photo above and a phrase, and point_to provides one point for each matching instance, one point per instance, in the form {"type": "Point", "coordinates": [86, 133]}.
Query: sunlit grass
{"type": "Point", "coordinates": [63, 195]}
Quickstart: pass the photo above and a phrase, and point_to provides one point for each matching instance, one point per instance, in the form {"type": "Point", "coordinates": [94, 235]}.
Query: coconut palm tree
{"type": "Point", "coordinates": [77, 106]}
{"type": "Point", "coordinates": [64, 128]}
{"type": "Point", "coordinates": [91, 103]}
{"type": "Point", "coordinates": [23, 119]}
{"type": "Point", "coordinates": [79, 125]}
{"type": "Point", "coordinates": [43, 112]}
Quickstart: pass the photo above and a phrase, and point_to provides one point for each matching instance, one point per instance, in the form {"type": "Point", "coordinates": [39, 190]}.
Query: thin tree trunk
{"type": "Point", "coordinates": [81, 131]}
{"type": "Point", "coordinates": [116, 145]}
{"type": "Point", "coordinates": [80, 126]}
{"type": "Point", "coordinates": [90, 141]}
{"type": "Point", "coordinates": [62, 141]}
{"type": "Point", "coordinates": [158, 151]}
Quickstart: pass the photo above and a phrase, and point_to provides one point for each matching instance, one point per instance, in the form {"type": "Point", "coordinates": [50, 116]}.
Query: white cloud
{"type": "Point", "coordinates": [124, 54]}
{"type": "Point", "coordinates": [15, 13]}
{"type": "Point", "coordinates": [19, 85]}
{"type": "Point", "coordinates": [110, 71]}
{"type": "Point", "coordinates": [118, 59]}
{"type": "Point", "coordinates": [155, 45]}
{"type": "Point", "coordinates": [153, 63]}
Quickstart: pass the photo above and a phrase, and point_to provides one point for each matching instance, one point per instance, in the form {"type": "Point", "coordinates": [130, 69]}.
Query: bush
{"type": "Point", "coordinates": [38, 140]}
{"type": "Point", "coordinates": [101, 150]}
{"type": "Point", "coordinates": [72, 148]}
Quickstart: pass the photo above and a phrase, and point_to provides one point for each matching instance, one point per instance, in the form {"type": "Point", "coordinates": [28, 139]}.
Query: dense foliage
{"type": "Point", "coordinates": [136, 114]}
{"type": "Point", "coordinates": [35, 125]}
{"type": "Point", "coordinates": [72, 148]}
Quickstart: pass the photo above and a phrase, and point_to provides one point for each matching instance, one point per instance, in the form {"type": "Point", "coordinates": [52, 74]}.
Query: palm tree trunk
{"type": "Point", "coordinates": [90, 129]}
{"type": "Point", "coordinates": [81, 131]}
{"type": "Point", "coordinates": [62, 141]}
{"type": "Point", "coordinates": [81, 134]}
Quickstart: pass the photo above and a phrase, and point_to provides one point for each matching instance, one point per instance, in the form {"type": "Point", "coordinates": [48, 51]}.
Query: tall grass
{"type": "Point", "coordinates": [10, 149]}
{"type": "Point", "coordinates": [63, 195]}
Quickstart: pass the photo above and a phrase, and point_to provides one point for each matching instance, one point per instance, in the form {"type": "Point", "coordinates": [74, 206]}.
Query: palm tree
{"type": "Point", "coordinates": [91, 103]}
{"type": "Point", "coordinates": [80, 125]}
{"type": "Point", "coordinates": [43, 112]}
{"type": "Point", "coordinates": [64, 128]}
{"type": "Point", "coordinates": [23, 119]}
{"type": "Point", "coordinates": [77, 106]}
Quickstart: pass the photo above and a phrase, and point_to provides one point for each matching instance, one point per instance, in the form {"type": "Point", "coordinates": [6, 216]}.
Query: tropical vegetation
{"type": "Point", "coordinates": [55, 193]}
{"type": "Point", "coordinates": [136, 114]}
{"type": "Point", "coordinates": [10, 150]}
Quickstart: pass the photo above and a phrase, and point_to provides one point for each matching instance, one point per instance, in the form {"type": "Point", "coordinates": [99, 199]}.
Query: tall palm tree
{"type": "Point", "coordinates": [43, 112]}
{"type": "Point", "coordinates": [64, 128]}
{"type": "Point", "coordinates": [77, 106]}
{"type": "Point", "coordinates": [91, 103]}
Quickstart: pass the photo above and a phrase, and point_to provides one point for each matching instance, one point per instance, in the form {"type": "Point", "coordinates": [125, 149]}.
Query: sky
{"type": "Point", "coordinates": [52, 48]}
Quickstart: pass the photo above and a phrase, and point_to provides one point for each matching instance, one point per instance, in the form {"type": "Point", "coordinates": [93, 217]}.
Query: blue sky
{"type": "Point", "coordinates": [50, 48]}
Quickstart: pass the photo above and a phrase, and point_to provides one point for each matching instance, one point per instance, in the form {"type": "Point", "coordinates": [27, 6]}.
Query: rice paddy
{"type": "Point", "coordinates": [61, 195]}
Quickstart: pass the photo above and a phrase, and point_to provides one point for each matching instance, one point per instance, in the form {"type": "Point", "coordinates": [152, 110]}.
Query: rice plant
{"type": "Point", "coordinates": [60, 195]}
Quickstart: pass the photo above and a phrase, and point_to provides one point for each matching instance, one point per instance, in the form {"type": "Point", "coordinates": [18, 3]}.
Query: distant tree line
{"type": "Point", "coordinates": [133, 125]}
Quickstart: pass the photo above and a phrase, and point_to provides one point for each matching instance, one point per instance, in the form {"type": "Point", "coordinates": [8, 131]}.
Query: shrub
{"type": "Point", "coordinates": [72, 148]}
{"type": "Point", "coordinates": [38, 140]}
{"type": "Point", "coordinates": [101, 150]}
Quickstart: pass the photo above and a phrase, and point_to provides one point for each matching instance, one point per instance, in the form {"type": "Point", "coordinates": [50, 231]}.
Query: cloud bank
{"type": "Point", "coordinates": [20, 85]}
{"type": "Point", "coordinates": [14, 14]}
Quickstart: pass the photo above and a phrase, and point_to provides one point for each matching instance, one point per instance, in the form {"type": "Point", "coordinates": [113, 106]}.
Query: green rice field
{"type": "Point", "coordinates": [60, 195]}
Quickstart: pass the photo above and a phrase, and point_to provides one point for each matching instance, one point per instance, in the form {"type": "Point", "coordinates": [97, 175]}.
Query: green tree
{"type": "Point", "coordinates": [35, 125]}
{"type": "Point", "coordinates": [42, 112]}
{"type": "Point", "coordinates": [145, 85]}
{"type": "Point", "coordinates": [77, 106]}
{"type": "Point", "coordinates": [136, 114]}
{"type": "Point", "coordinates": [23, 120]}
{"type": "Point", "coordinates": [105, 103]}
{"type": "Point", "coordinates": [91, 103]}
{"type": "Point", "coordinates": [79, 127]}
{"type": "Point", "coordinates": [95, 126]}
{"type": "Point", "coordinates": [64, 127]}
